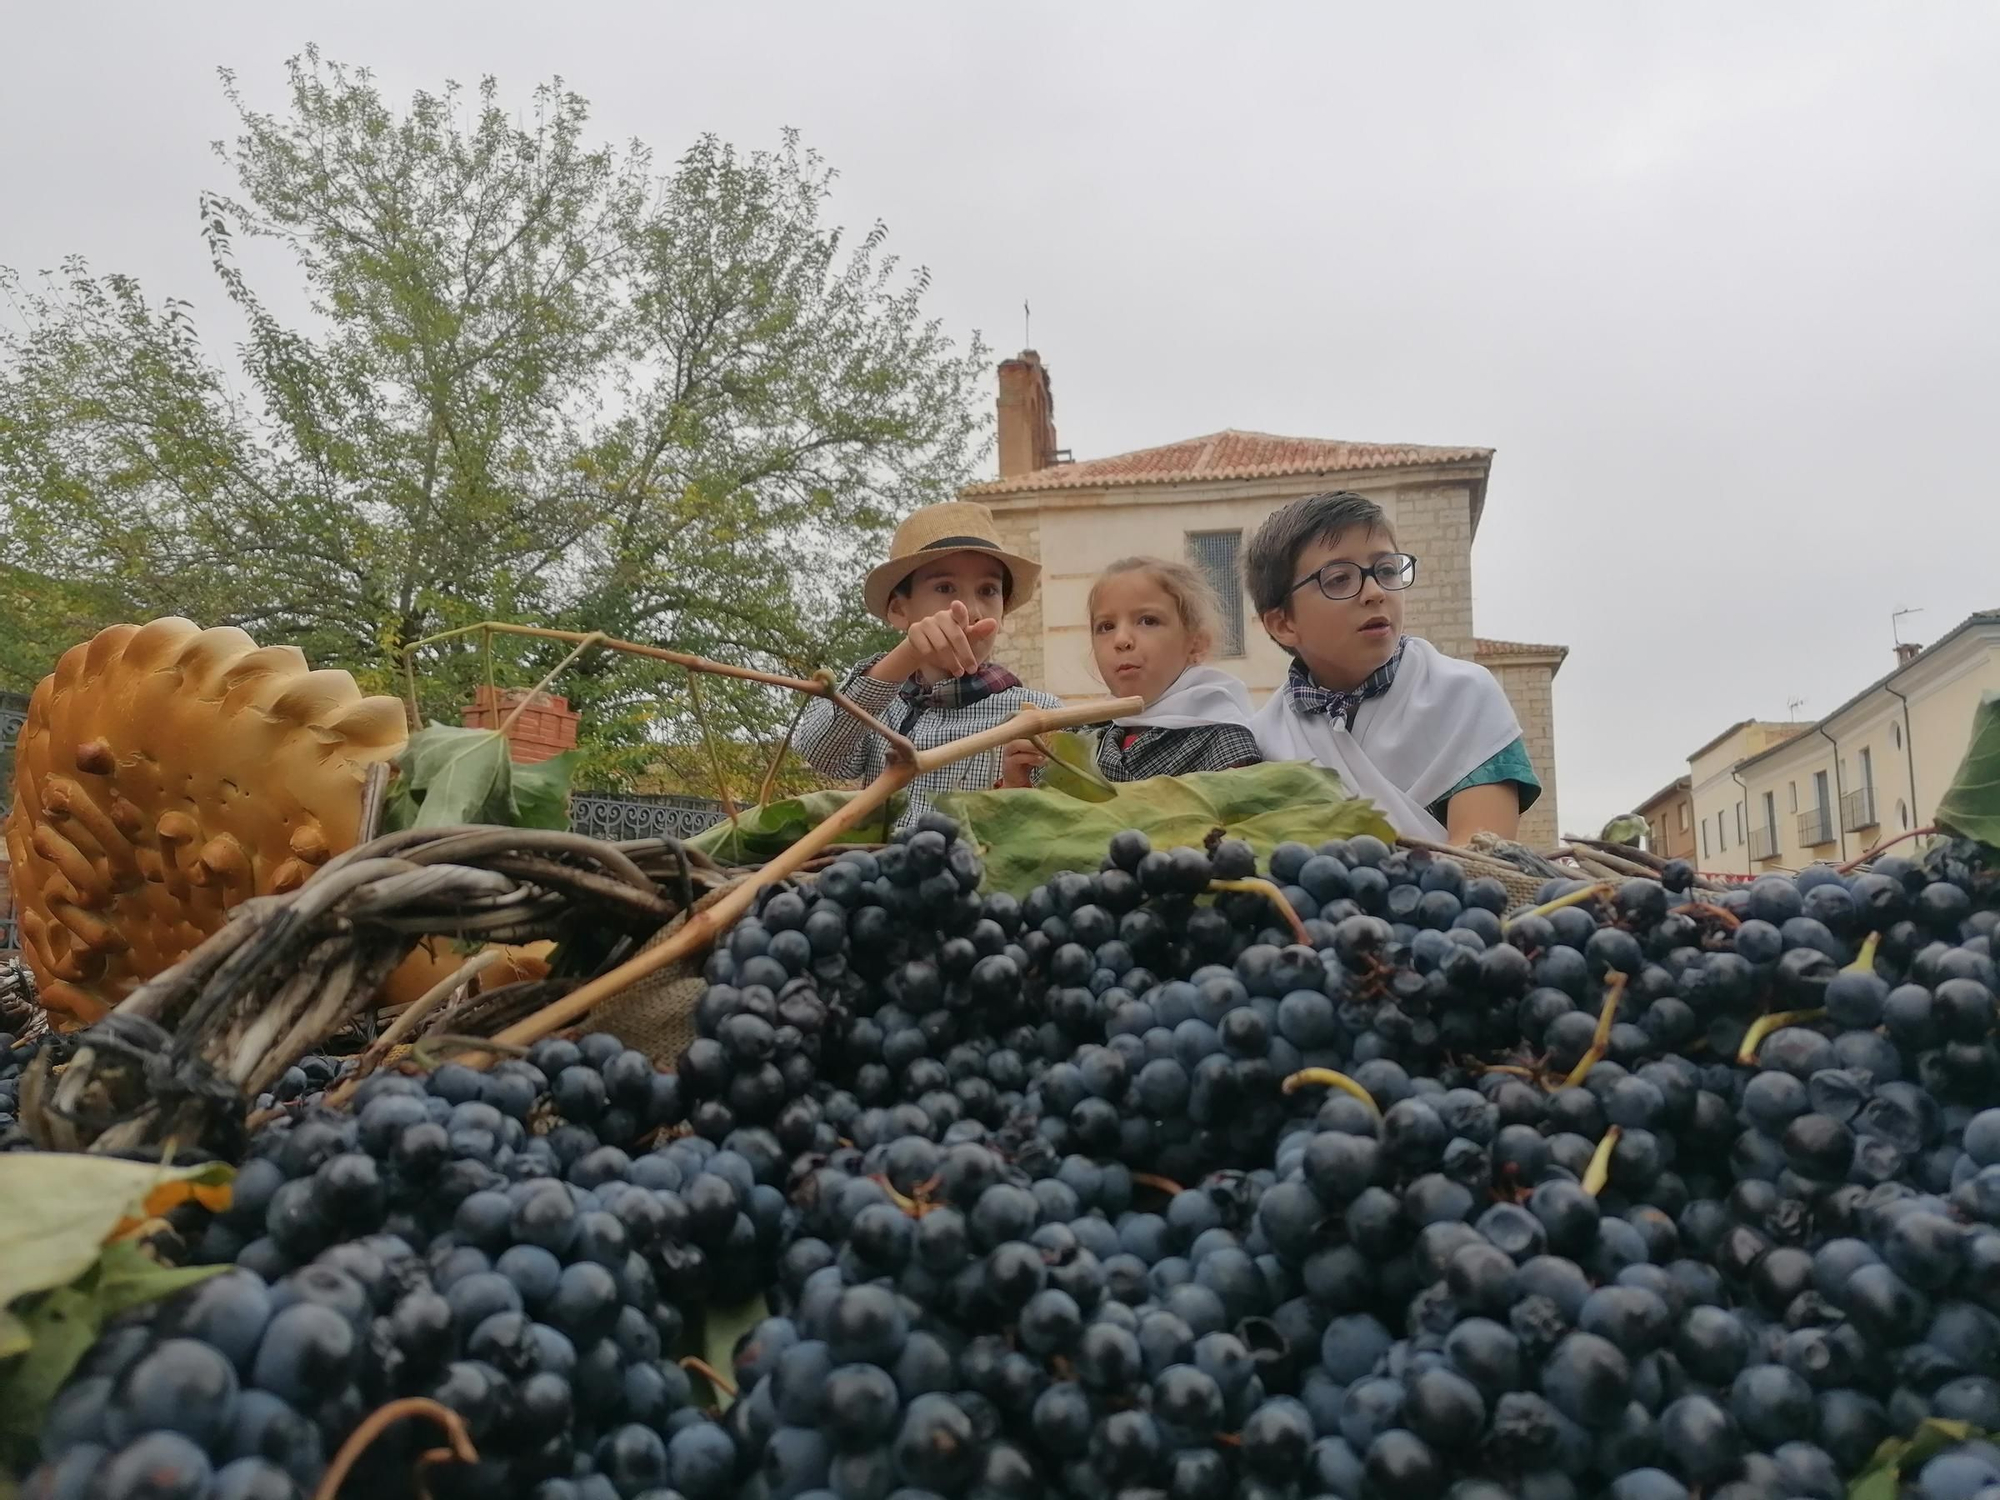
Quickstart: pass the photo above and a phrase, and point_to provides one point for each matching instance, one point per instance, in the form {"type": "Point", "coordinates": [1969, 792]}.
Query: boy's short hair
{"type": "Point", "coordinates": [1270, 562]}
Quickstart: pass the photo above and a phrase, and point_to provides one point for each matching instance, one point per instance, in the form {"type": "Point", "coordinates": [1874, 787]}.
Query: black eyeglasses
{"type": "Point", "coordinates": [1342, 580]}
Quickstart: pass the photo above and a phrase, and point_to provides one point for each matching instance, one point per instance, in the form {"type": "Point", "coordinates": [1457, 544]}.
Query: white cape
{"type": "Point", "coordinates": [1439, 722]}
{"type": "Point", "coordinates": [1200, 696]}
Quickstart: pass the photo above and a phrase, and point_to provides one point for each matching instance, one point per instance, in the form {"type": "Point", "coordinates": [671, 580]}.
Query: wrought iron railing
{"type": "Point", "coordinates": [1816, 827]}
{"type": "Point", "coordinates": [1857, 810]}
{"type": "Point", "coordinates": [615, 817]}
{"type": "Point", "coordinates": [1763, 843]}
{"type": "Point", "coordinates": [13, 714]}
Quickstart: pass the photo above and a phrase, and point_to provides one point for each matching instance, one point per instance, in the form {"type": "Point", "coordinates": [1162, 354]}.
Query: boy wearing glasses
{"type": "Point", "coordinates": [1430, 740]}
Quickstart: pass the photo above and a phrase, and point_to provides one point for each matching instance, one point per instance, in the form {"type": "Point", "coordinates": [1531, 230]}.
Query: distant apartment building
{"type": "Point", "coordinates": [1202, 498]}
{"type": "Point", "coordinates": [1878, 764]}
{"type": "Point", "coordinates": [1722, 843]}
{"type": "Point", "coordinates": [1779, 796]}
{"type": "Point", "coordinates": [1669, 815]}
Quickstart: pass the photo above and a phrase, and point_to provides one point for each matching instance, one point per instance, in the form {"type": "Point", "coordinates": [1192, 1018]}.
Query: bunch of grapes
{"type": "Point", "coordinates": [1182, 1177]}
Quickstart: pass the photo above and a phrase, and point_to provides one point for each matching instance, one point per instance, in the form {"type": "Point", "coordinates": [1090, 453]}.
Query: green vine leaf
{"type": "Point", "coordinates": [1971, 808]}
{"type": "Point", "coordinates": [1027, 836]}
{"type": "Point", "coordinates": [448, 776]}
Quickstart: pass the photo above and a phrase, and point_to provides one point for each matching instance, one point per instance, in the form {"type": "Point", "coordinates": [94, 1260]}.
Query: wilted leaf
{"type": "Point", "coordinates": [61, 1207]}
{"type": "Point", "coordinates": [448, 775]}
{"type": "Point", "coordinates": [1027, 836]}
{"type": "Point", "coordinates": [1072, 768]}
{"type": "Point", "coordinates": [1971, 807]}
{"type": "Point", "coordinates": [763, 833]}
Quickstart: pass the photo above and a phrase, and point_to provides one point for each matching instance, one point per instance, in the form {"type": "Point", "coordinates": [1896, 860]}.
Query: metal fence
{"type": "Point", "coordinates": [1857, 810]}
{"type": "Point", "coordinates": [1816, 827]}
{"type": "Point", "coordinates": [615, 817]}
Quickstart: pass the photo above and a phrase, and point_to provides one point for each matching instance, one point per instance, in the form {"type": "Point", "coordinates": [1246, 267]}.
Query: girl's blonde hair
{"type": "Point", "coordinates": [1193, 596]}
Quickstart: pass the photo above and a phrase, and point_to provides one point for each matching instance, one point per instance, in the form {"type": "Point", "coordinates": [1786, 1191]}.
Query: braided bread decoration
{"type": "Point", "coordinates": [165, 774]}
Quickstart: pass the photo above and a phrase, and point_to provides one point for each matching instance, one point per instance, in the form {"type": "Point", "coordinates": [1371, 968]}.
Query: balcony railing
{"type": "Point", "coordinates": [1815, 827]}
{"type": "Point", "coordinates": [1763, 843]}
{"type": "Point", "coordinates": [1857, 810]}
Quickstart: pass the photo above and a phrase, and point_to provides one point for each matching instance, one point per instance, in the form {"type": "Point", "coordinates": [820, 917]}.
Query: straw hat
{"type": "Point", "coordinates": [938, 531]}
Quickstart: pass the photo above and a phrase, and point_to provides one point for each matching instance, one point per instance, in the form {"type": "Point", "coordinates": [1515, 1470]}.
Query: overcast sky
{"type": "Point", "coordinates": [1720, 283]}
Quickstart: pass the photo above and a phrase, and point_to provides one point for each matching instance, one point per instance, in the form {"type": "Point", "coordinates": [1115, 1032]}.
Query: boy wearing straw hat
{"type": "Point", "coordinates": [947, 585]}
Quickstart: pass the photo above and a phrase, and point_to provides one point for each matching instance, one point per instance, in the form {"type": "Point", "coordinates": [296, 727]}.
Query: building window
{"type": "Point", "coordinates": [1684, 817]}
{"type": "Point", "coordinates": [1795, 796]}
{"type": "Point", "coordinates": [1902, 814]}
{"type": "Point", "coordinates": [1896, 735]}
{"type": "Point", "coordinates": [1215, 553]}
{"type": "Point", "coordinates": [1739, 822]}
{"type": "Point", "coordinates": [1721, 829]}
{"type": "Point", "coordinates": [1771, 816]}
{"type": "Point", "coordinates": [1704, 838]}
{"type": "Point", "coordinates": [1867, 768]}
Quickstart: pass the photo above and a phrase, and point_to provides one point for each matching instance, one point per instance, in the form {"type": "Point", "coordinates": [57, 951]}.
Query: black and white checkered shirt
{"type": "Point", "coordinates": [1174, 752]}
{"type": "Point", "coordinates": [835, 745]}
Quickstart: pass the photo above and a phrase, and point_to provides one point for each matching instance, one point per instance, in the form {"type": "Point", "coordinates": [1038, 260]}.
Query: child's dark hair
{"type": "Point", "coordinates": [1270, 562]}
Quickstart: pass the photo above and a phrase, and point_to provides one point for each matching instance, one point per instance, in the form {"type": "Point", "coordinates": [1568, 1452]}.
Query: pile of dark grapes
{"type": "Point", "coordinates": [1134, 1188]}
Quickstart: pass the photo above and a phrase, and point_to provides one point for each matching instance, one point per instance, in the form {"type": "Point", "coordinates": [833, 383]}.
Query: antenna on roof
{"type": "Point", "coordinates": [1027, 336]}
{"type": "Point", "coordinates": [1895, 622]}
{"type": "Point", "coordinates": [1792, 707]}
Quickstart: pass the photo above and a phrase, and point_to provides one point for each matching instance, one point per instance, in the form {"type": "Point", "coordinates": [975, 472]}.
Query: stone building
{"type": "Point", "coordinates": [1669, 815]}
{"type": "Point", "coordinates": [1202, 498]}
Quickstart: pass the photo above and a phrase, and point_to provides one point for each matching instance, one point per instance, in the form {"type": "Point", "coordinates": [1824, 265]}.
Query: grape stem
{"type": "Point", "coordinates": [1729, 920]}
{"type": "Point", "coordinates": [379, 1421]}
{"type": "Point", "coordinates": [1326, 1077]}
{"type": "Point", "coordinates": [1598, 1173]}
{"type": "Point", "coordinates": [1763, 1026]}
{"type": "Point", "coordinates": [1600, 1041]}
{"type": "Point", "coordinates": [1574, 898]}
{"type": "Point", "coordinates": [1856, 863]}
{"type": "Point", "coordinates": [708, 1372]}
{"type": "Point", "coordinates": [1161, 1184]}
{"type": "Point", "coordinates": [1272, 894]}
{"type": "Point", "coordinates": [1864, 961]}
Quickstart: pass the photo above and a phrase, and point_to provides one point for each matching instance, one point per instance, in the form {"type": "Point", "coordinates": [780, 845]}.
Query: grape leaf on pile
{"type": "Point", "coordinates": [60, 1280]}
{"type": "Point", "coordinates": [1900, 1459]}
{"type": "Point", "coordinates": [762, 833]}
{"type": "Point", "coordinates": [1027, 836]}
{"type": "Point", "coordinates": [447, 776]}
{"type": "Point", "coordinates": [1971, 807]}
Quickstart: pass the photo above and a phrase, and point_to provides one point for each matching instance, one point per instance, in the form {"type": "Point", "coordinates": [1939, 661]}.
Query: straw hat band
{"type": "Point", "coordinates": [959, 544]}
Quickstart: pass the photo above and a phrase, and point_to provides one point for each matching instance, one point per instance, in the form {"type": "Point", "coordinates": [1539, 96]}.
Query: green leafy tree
{"type": "Point", "coordinates": [539, 380]}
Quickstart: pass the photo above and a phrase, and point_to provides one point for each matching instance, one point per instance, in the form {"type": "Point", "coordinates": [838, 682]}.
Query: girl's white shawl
{"type": "Point", "coordinates": [1441, 720]}
{"type": "Point", "coordinates": [1200, 696]}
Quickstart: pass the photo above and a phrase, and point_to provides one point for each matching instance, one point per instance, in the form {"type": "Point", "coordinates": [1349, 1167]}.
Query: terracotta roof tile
{"type": "Point", "coordinates": [1229, 455]}
{"type": "Point", "coordinates": [1483, 648]}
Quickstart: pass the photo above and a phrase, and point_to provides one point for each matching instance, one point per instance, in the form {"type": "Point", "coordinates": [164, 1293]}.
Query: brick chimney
{"type": "Point", "coordinates": [1907, 652]}
{"type": "Point", "coordinates": [544, 730]}
{"type": "Point", "coordinates": [1027, 416]}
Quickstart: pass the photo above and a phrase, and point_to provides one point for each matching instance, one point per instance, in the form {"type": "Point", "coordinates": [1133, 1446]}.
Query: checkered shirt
{"type": "Point", "coordinates": [837, 746]}
{"type": "Point", "coordinates": [1174, 752]}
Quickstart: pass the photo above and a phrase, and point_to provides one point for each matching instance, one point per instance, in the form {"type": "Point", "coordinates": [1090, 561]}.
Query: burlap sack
{"type": "Point", "coordinates": [656, 1015]}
